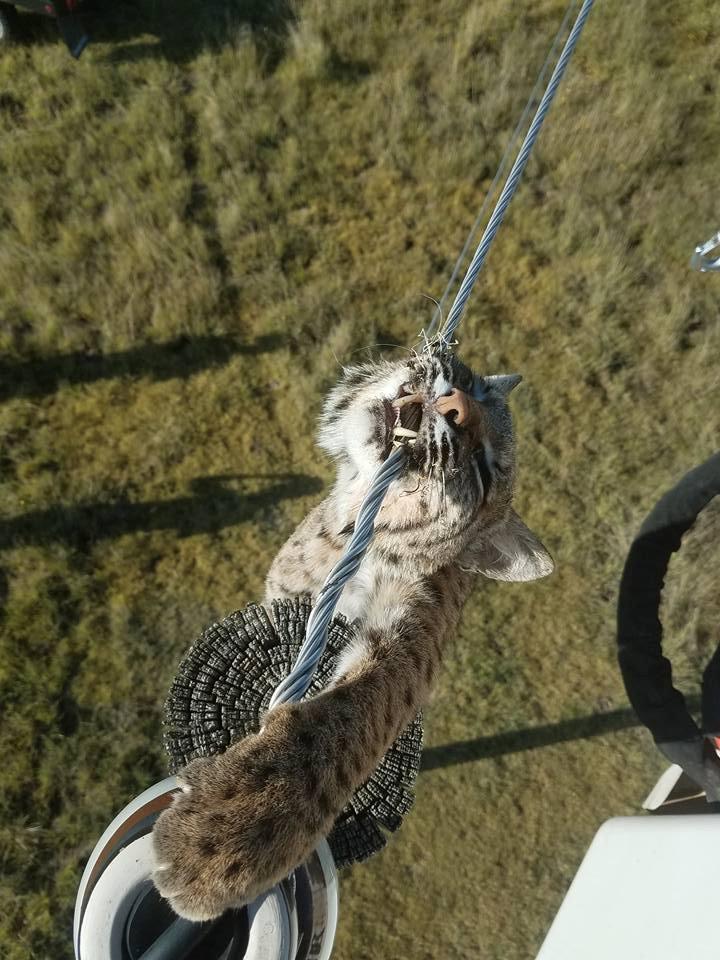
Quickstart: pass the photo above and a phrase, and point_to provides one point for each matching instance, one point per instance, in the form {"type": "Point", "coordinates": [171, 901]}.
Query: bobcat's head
{"type": "Point", "coordinates": [455, 496]}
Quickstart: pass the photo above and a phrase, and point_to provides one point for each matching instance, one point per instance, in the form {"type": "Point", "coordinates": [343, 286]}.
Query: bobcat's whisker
{"type": "Point", "coordinates": [409, 493]}
{"type": "Point", "coordinates": [478, 477]}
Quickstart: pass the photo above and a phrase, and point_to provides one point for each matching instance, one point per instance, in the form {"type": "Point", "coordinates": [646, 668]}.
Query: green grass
{"type": "Point", "coordinates": [198, 220]}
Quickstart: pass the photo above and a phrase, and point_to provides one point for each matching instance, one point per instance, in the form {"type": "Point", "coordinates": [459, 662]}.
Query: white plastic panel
{"type": "Point", "coordinates": [646, 890]}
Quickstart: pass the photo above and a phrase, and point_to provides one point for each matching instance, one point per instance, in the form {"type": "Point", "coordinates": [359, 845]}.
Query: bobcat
{"type": "Point", "coordinates": [248, 817]}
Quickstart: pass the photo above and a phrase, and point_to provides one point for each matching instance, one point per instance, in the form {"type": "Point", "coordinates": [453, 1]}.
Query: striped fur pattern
{"type": "Point", "coordinates": [246, 818]}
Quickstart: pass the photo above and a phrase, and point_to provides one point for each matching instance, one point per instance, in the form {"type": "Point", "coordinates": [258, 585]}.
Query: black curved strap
{"type": "Point", "coordinates": [646, 672]}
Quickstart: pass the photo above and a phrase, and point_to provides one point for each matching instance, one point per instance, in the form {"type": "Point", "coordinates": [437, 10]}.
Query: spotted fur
{"type": "Point", "coordinates": [246, 818]}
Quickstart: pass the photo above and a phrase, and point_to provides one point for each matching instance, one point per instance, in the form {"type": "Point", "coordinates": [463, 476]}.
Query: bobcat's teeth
{"type": "Point", "coordinates": [408, 411]}
{"type": "Point", "coordinates": [407, 398]}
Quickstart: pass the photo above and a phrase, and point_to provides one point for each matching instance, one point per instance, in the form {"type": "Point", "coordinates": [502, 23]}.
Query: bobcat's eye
{"type": "Point", "coordinates": [486, 475]}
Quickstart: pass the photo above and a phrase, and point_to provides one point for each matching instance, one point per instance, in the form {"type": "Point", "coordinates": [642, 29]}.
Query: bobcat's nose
{"type": "Point", "coordinates": [455, 406]}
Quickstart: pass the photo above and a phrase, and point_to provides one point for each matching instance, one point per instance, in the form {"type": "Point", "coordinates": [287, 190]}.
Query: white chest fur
{"type": "Point", "coordinates": [356, 597]}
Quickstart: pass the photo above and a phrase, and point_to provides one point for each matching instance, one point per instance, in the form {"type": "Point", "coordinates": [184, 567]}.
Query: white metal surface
{"type": "Point", "coordinates": [326, 901]}
{"type": "Point", "coordinates": [100, 934]}
{"type": "Point", "coordinates": [646, 890]}
{"type": "Point", "coordinates": [273, 927]}
{"type": "Point", "coordinates": [106, 847]}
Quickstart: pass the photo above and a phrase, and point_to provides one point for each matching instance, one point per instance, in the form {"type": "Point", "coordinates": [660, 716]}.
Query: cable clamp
{"type": "Point", "coordinates": [700, 259]}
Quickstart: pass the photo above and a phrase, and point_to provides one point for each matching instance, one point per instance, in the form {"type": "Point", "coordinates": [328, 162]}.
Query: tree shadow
{"type": "Point", "coordinates": [160, 361]}
{"type": "Point", "coordinates": [532, 738]}
{"type": "Point", "coordinates": [212, 506]}
{"type": "Point", "coordinates": [180, 29]}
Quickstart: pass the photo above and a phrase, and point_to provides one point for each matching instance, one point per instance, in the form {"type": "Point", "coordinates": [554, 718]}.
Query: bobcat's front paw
{"type": "Point", "coordinates": [202, 865]}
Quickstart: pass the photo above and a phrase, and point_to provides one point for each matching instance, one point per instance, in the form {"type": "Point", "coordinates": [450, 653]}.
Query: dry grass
{"type": "Point", "coordinates": [196, 220]}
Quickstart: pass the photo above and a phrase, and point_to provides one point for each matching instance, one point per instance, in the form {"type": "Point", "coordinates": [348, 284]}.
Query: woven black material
{"type": "Point", "coordinates": [223, 687]}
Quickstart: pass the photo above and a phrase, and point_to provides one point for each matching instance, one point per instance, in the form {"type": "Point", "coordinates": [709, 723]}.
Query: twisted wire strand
{"type": "Point", "coordinates": [296, 684]}
{"type": "Point", "coordinates": [511, 184]}
{"type": "Point", "coordinates": [437, 315]}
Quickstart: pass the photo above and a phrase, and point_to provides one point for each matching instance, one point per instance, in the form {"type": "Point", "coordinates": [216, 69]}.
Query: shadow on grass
{"type": "Point", "coordinates": [177, 30]}
{"type": "Point", "coordinates": [174, 30]}
{"type": "Point", "coordinates": [212, 507]}
{"type": "Point", "coordinates": [532, 738]}
{"type": "Point", "coordinates": [160, 361]}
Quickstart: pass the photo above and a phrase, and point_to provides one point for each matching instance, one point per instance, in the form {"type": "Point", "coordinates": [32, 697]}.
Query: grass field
{"type": "Point", "coordinates": [198, 220]}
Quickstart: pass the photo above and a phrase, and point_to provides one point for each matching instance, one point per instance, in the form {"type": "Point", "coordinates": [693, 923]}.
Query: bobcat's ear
{"type": "Point", "coordinates": [512, 552]}
{"type": "Point", "coordinates": [504, 383]}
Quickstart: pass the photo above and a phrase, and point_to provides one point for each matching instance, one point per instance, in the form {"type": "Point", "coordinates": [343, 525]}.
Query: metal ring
{"type": "Point", "coordinates": [297, 917]}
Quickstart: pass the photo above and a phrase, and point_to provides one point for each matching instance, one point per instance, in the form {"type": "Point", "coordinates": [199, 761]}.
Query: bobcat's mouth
{"type": "Point", "coordinates": [403, 415]}
{"type": "Point", "coordinates": [433, 429]}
